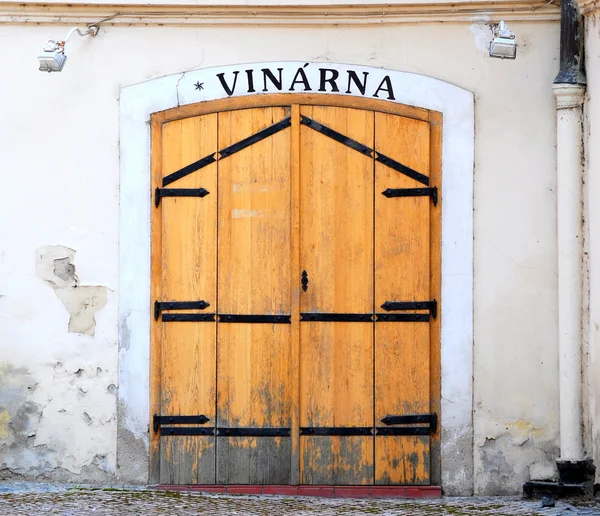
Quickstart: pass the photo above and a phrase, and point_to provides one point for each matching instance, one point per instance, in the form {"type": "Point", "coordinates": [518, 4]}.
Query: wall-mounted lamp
{"type": "Point", "coordinates": [53, 57]}
{"type": "Point", "coordinates": [503, 45]}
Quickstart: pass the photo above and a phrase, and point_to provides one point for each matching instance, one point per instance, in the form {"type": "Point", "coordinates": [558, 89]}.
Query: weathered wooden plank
{"type": "Point", "coordinates": [435, 286]}
{"type": "Point", "coordinates": [187, 460]}
{"type": "Point", "coordinates": [296, 273]}
{"type": "Point", "coordinates": [402, 273]}
{"type": "Point", "coordinates": [255, 245]}
{"type": "Point", "coordinates": [336, 249]}
{"type": "Point", "coordinates": [254, 460]}
{"type": "Point", "coordinates": [155, 293]}
{"type": "Point", "coordinates": [188, 351]}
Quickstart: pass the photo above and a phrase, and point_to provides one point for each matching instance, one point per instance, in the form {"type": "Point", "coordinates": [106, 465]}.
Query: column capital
{"type": "Point", "coordinates": [568, 96]}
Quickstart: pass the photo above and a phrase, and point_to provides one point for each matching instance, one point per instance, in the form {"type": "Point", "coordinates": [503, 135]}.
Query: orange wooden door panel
{"type": "Point", "coordinates": [189, 260]}
{"type": "Point", "coordinates": [336, 251]}
{"type": "Point", "coordinates": [254, 247]}
{"type": "Point", "coordinates": [402, 273]}
{"type": "Point", "coordinates": [297, 200]}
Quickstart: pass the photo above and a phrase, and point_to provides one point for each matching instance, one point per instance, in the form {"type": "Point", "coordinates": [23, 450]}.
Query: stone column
{"type": "Point", "coordinates": [569, 101]}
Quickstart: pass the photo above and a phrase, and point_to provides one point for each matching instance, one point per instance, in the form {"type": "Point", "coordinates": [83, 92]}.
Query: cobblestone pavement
{"type": "Point", "coordinates": [33, 499]}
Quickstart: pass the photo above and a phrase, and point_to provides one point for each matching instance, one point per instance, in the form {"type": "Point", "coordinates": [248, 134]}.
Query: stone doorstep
{"type": "Point", "coordinates": [312, 490]}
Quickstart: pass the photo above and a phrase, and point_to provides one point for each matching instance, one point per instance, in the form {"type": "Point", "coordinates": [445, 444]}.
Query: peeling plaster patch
{"type": "Point", "coordinates": [32, 444]}
{"type": "Point", "coordinates": [82, 303]}
{"type": "Point", "coordinates": [54, 264]}
{"type": "Point", "coordinates": [505, 465]}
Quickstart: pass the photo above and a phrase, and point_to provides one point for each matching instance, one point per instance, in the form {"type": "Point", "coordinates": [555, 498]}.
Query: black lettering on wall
{"type": "Point", "coordinates": [226, 87]}
{"type": "Point", "coordinates": [390, 91]}
{"type": "Point", "coordinates": [353, 77]}
{"type": "Point", "coordinates": [300, 78]}
{"type": "Point", "coordinates": [276, 82]}
{"type": "Point", "coordinates": [331, 80]}
{"type": "Point", "coordinates": [250, 75]}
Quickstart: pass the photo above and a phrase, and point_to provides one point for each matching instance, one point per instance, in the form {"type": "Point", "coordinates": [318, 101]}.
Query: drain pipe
{"type": "Point", "coordinates": [569, 88]}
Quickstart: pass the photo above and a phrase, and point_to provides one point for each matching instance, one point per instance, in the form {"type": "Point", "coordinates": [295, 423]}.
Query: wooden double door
{"type": "Point", "coordinates": [295, 296]}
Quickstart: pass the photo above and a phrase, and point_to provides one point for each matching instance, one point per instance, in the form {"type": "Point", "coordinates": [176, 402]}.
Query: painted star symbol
{"type": "Point", "coordinates": [199, 85]}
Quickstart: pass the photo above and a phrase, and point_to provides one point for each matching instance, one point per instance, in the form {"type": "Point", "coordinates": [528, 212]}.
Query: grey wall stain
{"type": "Point", "coordinates": [54, 264]}
{"type": "Point", "coordinates": [125, 331]}
{"type": "Point", "coordinates": [505, 467]}
{"type": "Point", "coordinates": [132, 452]}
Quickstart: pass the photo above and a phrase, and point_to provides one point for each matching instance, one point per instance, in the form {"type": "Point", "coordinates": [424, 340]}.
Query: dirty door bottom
{"type": "Point", "coordinates": [330, 491]}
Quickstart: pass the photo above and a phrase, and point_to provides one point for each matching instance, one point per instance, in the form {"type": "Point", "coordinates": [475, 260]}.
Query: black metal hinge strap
{"type": "Point", "coordinates": [260, 135]}
{"type": "Point", "coordinates": [188, 317]}
{"type": "Point", "coordinates": [159, 306]}
{"type": "Point", "coordinates": [404, 430]}
{"type": "Point", "coordinates": [413, 192]}
{"type": "Point", "coordinates": [402, 318]}
{"type": "Point", "coordinates": [197, 165]}
{"type": "Point", "coordinates": [253, 432]}
{"type": "Point", "coordinates": [186, 430]}
{"type": "Point", "coordinates": [159, 193]}
{"type": "Point", "coordinates": [336, 430]}
{"type": "Point", "coordinates": [412, 419]}
{"type": "Point", "coordinates": [157, 420]}
{"type": "Point", "coordinates": [391, 306]}
{"type": "Point", "coordinates": [399, 167]}
{"type": "Point", "coordinates": [338, 137]}
{"type": "Point", "coordinates": [321, 317]}
{"type": "Point", "coordinates": [267, 319]}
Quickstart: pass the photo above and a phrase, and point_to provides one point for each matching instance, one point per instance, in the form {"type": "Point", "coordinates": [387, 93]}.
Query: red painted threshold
{"type": "Point", "coordinates": [310, 490]}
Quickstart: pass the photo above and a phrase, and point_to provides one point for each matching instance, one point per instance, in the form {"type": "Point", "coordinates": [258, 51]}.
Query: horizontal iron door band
{"type": "Point", "coordinates": [186, 430]}
{"type": "Point", "coordinates": [363, 149]}
{"type": "Point", "coordinates": [224, 432]}
{"type": "Point", "coordinates": [227, 318]}
{"type": "Point", "coordinates": [159, 193]}
{"type": "Point", "coordinates": [336, 430]}
{"type": "Point", "coordinates": [402, 318]}
{"type": "Point", "coordinates": [392, 306]}
{"type": "Point", "coordinates": [411, 419]}
{"type": "Point", "coordinates": [188, 317]}
{"type": "Point", "coordinates": [413, 192]}
{"type": "Point", "coordinates": [404, 430]}
{"type": "Point", "coordinates": [285, 432]}
{"type": "Point", "coordinates": [253, 432]}
{"type": "Point", "coordinates": [269, 319]}
{"type": "Point", "coordinates": [286, 319]}
{"type": "Point", "coordinates": [321, 317]}
{"type": "Point", "coordinates": [158, 421]}
{"type": "Point", "coordinates": [228, 151]}
{"type": "Point", "coordinates": [159, 306]}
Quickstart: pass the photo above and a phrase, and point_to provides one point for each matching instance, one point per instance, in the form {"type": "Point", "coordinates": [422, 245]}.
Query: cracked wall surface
{"type": "Point", "coordinates": [58, 383]}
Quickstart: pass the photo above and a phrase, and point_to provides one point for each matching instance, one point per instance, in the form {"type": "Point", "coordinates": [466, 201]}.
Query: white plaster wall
{"type": "Point", "coordinates": [60, 163]}
{"type": "Point", "coordinates": [592, 218]}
